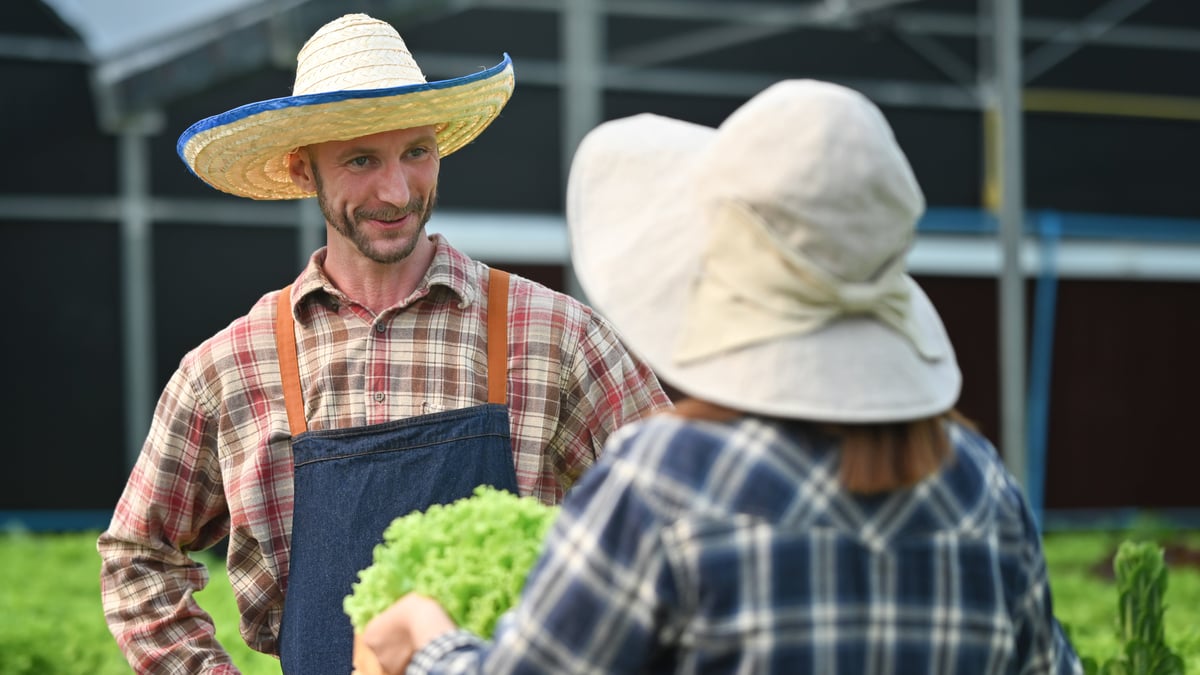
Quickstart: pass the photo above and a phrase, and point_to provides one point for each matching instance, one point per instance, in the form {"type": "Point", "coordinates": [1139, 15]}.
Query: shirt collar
{"type": "Point", "coordinates": [450, 269]}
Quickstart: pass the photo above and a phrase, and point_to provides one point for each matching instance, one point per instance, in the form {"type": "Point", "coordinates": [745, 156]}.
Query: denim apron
{"type": "Point", "coordinates": [351, 483]}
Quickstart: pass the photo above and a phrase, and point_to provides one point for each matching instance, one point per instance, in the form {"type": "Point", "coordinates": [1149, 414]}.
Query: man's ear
{"type": "Point", "coordinates": [300, 170]}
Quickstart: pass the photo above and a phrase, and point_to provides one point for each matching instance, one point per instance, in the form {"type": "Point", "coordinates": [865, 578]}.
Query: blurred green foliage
{"type": "Point", "coordinates": [1088, 591]}
{"type": "Point", "coordinates": [51, 621]}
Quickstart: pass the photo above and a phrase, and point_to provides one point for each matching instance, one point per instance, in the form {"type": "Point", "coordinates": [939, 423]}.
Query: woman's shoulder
{"type": "Point", "coordinates": [982, 483]}
{"type": "Point", "coordinates": [726, 465]}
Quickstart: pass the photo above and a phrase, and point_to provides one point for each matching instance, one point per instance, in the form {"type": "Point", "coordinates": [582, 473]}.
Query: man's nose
{"type": "Point", "coordinates": [393, 187]}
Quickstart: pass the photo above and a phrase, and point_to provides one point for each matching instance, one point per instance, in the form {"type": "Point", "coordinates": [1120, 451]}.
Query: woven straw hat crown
{"type": "Point", "coordinates": [354, 77]}
{"type": "Point", "coordinates": [355, 52]}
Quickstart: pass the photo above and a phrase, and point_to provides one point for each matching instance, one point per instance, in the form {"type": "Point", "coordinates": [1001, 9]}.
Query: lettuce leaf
{"type": "Point", "coordinates": [472, 556]}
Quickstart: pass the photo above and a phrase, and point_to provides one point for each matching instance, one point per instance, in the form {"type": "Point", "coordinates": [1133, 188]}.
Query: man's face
{"type": "Point", "coordinates": [377, 192]}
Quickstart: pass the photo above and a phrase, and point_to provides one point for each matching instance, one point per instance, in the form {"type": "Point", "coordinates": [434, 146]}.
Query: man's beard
{"type": "Point", "coordinates": [347, 224]}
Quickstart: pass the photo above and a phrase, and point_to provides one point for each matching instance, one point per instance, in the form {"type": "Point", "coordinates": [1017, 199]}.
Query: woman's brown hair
{"type": "Point", "coordinates": [875, 458]}
{"type": "Point", "coordinates": [894, 455]}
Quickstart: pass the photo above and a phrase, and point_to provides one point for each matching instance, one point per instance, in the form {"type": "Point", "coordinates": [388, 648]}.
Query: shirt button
{"type": "Point", "coordinates": [379, 328]}
{"type": "Point", "coordinates": [379, 396]}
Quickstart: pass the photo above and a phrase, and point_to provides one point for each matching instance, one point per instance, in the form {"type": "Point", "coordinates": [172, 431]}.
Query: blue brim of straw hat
{"type": "Point", "coordinates": [244, 151]}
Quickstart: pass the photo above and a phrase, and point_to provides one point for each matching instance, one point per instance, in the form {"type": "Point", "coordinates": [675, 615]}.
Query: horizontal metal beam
{"type": "Point", "coordinates": [528, 238]}
{"type": "Point", "coordinates": [732, 33]}
{"type": "Point", "coordinates": [1125, 35]}
{"type": "Point", "coordinates": [66, 208]}
{"type": "Point", "coordinates": [541, 238]}
{"type": "Point", "coordinates": [702, 82]}
{"type": "Point", "coordinates": [949, 24]}
{"type": "Point", "coordinates": [697, 10]}
{"type": "Point", "coordinates": [981, 256]}
{"type": "Point", "coordinates": [1070, 40]}
{"type": "Point", "coordinates": [702, 41]}
{"type": "Point", "coordinates": [30, 48]}
{"type": "Point", "coordinates": [1038, 99]}
{"type": "Point", "coordinates": [896, 93]}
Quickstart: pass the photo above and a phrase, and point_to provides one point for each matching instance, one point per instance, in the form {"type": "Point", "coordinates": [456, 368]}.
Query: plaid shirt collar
{"type": "Point", "coordinates": [450, 269]}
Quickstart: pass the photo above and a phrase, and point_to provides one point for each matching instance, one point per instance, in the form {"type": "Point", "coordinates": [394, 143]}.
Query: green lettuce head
{"type": "Point", "coordinates": [472, 556]}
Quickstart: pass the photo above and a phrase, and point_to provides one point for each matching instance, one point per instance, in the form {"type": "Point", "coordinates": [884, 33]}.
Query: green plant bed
{"type": "Point", "coordinates": [51, 621]}
{"type": "Point", "coordinates": [1085, 594]}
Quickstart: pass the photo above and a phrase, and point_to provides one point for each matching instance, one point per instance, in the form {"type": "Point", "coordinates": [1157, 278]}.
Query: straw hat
{"type": "Point", "coordinates": [354, 77]}
{"type": "Point", "coordinates": [760, 265]}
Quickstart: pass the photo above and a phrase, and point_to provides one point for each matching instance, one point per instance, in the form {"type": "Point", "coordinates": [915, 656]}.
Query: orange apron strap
{"type": "Point", "coordinates": [289, 368]}
{"type": "Point", "coordinates": [497, 328]}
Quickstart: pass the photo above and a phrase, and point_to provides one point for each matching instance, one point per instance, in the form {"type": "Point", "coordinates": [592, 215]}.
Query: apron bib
{"type": "Point", "coordinates": [351, 483]}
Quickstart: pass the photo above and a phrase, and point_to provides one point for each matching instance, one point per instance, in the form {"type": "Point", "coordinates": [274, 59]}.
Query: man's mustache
{"type": "Point", "coordinates": [390, 213]}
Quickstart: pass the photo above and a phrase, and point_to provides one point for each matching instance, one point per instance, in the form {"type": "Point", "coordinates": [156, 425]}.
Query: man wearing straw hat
{"type": "Point", "coordinates": [815, 505]}
{"type": "Point", "coordinates": [392, 374]}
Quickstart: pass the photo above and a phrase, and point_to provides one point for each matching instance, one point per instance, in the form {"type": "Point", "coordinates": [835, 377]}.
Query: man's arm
{"type": "Point", "coordinates": [609, 387]}
{"type": "Point", "coordinates": [172, 503]}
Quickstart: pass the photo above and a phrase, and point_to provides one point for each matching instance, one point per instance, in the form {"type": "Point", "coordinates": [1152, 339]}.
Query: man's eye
{"type": "Point", "coordinates": [359, 162]}
{"type": "Point", "coordinates": [418, 152]}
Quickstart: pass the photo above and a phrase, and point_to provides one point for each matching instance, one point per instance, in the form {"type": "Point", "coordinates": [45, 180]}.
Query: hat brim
{"type": "Point", "coordinates": [244, 151]}
{"type": "Point", "coordinates": [637, 234]}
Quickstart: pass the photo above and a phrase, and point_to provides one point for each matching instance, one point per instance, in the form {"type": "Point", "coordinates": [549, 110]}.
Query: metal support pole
{"type": "Point", "coordinates": [1007, 101]}
{"type": "Point", "coordinates": [137, 290]}
{"type": "Point", "coordinates": [1041, 360]}
{"type": "Point", "coordinates": [581, 32]}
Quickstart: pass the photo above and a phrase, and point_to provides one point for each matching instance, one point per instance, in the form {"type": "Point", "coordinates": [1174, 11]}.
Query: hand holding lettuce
{"type": "Point", "coordinates": [472, 556]}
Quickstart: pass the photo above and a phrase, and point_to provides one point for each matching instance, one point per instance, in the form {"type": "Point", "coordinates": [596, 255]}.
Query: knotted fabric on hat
{"type": "Point", "coordinates": [354, 77]}
{"type": "Point", "coordinates": [752, 288]}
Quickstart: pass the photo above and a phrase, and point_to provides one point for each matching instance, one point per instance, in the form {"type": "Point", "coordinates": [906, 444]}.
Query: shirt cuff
{"type": "Point", "coordinates": [441, 647]}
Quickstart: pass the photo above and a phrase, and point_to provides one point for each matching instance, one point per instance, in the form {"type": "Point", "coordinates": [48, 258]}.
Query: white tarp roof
{"type": "Point", "coordinates": [111, 28]}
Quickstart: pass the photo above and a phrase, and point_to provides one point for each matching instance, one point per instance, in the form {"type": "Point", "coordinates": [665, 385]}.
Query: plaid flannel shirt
{"type": "Point", "coordinates": [218, 460]}
{"type": "Point", "coordinates": [696, 547]}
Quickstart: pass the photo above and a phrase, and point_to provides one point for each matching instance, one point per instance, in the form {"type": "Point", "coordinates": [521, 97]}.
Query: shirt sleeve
{"type": "Point", "coordinates": [1042, 645]}
{"type": "Point", "coordinates": [592, 604]}
{"type": "Point", "coordinates": [609, 387]}
{"type": "Point", "coordinates": [454, 652]}
{"type": "Point", "coordinates": [172, 503]}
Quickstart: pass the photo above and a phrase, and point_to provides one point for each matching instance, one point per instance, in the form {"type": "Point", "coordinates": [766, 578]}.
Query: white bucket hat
{"type": "Point", "coordinates": [354, 77]}
{"type": "Point", "coordinates": [760, 265]}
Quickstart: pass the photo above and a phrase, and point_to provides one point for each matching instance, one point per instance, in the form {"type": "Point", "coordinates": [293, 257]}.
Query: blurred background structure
{"type": "Point", "coordinates": [1055, 142]}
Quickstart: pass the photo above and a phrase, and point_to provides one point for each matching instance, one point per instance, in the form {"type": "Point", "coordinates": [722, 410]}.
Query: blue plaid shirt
{"type": "Point", "coordinates": [696, 547]}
